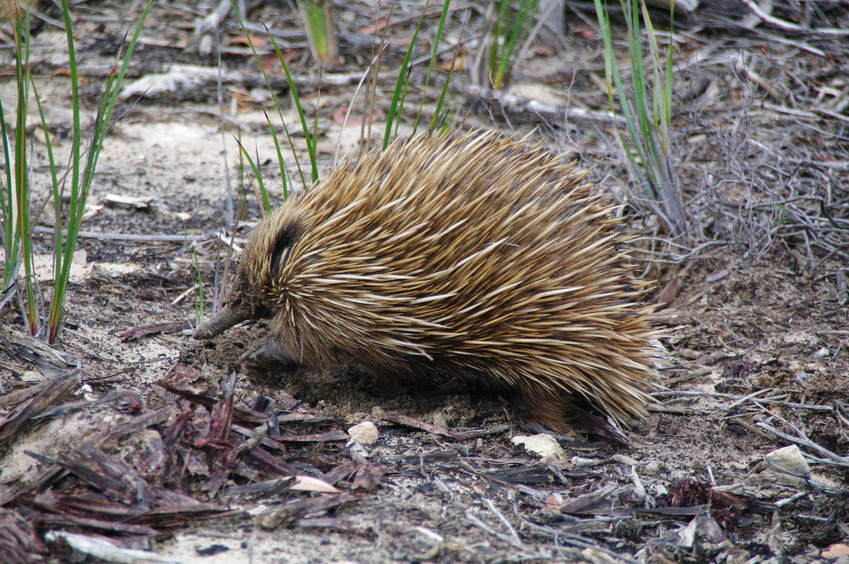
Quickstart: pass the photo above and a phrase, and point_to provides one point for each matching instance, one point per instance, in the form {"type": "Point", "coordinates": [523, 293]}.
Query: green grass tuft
{"type": "Point", "coordinates": [646, 105]}
{"type": "Point", "coordinates": [16, 205]}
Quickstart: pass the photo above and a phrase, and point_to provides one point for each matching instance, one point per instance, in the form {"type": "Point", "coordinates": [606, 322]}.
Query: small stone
{"type": "Point", "coordinates": [578, 461]}
{"type": "Point", "coordinates": [789, 460]}
{"type": "Point", "coordinates": [821, 353]}
{"type": "Point", "coordinates": [544, 446]}
{"type": "Point", "coordinates": [700, 527]}
{"type": "Point", "coordinates": [429, 536]}
{"type": "Point", "coordinates": [440, 420]}
{"type": "Point", "coordinates": [260, 95]}
{"type": "Point", "coordinates": [621, 458]}
{"type": "Point", "coordinates": [836, 551]}
{"type": "Point", "coordinates": [652, 468]}
{"type": "Point", "coordinates": [658, 490]}
{"type": "Point", "coordinates": [554, 501]}
{"type": "Point", "coordinates": [364, 433]}
{"type": "Point", "coordinates": [31, 376]}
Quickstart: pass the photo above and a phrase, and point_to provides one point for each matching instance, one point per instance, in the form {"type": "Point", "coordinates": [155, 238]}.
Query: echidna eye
{"type": "Point", "coordinates": [282, 243]}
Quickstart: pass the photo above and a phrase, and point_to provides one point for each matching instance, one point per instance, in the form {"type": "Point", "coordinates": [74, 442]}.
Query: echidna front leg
{"type": "Point", "coordinates": [560, 411]}
{"type": "Point", "coordinates": [269, 355]}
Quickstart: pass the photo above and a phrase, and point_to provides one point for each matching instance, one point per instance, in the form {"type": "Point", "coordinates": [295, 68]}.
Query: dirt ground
{"type": "Point", "coordinates": [757, 323]}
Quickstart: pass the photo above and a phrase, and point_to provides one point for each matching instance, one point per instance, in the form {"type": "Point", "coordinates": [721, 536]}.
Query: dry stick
{"type": "Point", "coordinates": [647, 255]}
{"type": "Point", "coordinates": [371, 67]}
{"type": "Point", "coordinates": [42, 349]}
{"type": "Point", "coordinates": [432, 14]}
{"type": "Point", "coordinates": [129, 237]}
{"type": "Point", "coordinates": [504, 520]}
{"type": "Point", "coordinates": [812, 407]}
{"type": "Point", "coordinates": [842, 414]}
{"type": "Point", "coordinates": [180, 298]}
{"type": "Point", "coordinates": [140, 422]}
{"type": "Point", "coordinates": [101, 548]}
{"type": "Point", "coordinates": [516, 104]}
{"type": "Point", "coordinates": [797, 44]}
{"type": "Point", "coordinates": [230, 215]}
{"type": "Point", "coordinates": [802, 439]}
{"type": "Point", "coordinates": [369, 100]}
{"type": "Point", "coordinates": [208, 75]}
{"type": "Point", "coordinates": [803, 113]}
{"type": "Point", "coordinates": [470, 43]}
{"type": "Point", "coordinates": [46, 19]}
{"type": "Point", "coordinates": [229, 241]}
{"type": "Point", "coordinates": [759, 404]}
{"type": "Point", "coordinates": [504, 538]}
{"type": "Point", "coordinates": [739, 66]}
{"type": "Point", "coordinates": [477, 67]}
{"type": "Point", "coordinates": [522, 488]}
{"type": "Point", "coordinates": [746, 398]}
{"type": "Point", "coordinates": [784, 24]}
{"type": "Point", "coordinates": [542, 20]}
{"type": "Point", "coordinates": [214, 19]}
{"type": "Point", "coordinates": [189, 109]}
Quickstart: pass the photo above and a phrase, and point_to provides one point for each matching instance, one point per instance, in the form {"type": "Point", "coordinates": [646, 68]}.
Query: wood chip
{"type": "Point", "coordinates": [153, 329]}
{"type": "Point", "coordinates": [420, 425]}
{"type": "Point", "coordinates": [290, 512]}
{"type": "Point", "coordinates": [42, 397]}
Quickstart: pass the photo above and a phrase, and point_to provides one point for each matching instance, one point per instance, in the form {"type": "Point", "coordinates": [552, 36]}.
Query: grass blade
{"type": "Point", "coordinates": [647, 110]}
{"type": "Point", "coordinates": [321, 32]}
{"type": "Point", "coordinates": [310, 136]}
{"type": "Point", "coordinates": [81, 180]}
{"type": "Point", "coordinates": [262, 196]}
{"type": "Point", "coordinates": [200, 295]}
{"type": "Point", "coordinates": [8, 209]}
{"type": "Point", "coordinates": [56, 191]}
{"type": "Point", "coordinates": [437, 42]}
{"type": "Point", "coordinates": [21, 174]}
{"type": "Point", "coordinates": [281, 163]}
{"type": "Point", "coordinates": [505, 36]}
{"type": "Point", "coordinates": [400, 91]}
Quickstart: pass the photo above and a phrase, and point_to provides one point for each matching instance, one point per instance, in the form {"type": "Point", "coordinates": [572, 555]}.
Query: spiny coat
{"type": "Point", "coordinates": [477, 254]}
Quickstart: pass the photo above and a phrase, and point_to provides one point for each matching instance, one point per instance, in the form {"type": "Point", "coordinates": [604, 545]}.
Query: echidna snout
{"type": "Point", "coordinates": [475, 255]}
{"type": "Point", "coordinates": [240, 305]}
{"type": "Point", "coordinates": [223, 320]}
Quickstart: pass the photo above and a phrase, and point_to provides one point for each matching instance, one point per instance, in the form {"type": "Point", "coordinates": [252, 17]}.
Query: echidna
{"type": "Point", "coordinates": [469, 254]}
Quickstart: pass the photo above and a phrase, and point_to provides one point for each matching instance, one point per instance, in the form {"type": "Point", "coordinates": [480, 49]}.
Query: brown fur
{"type": "Point", "coordinates": [475, 253]}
